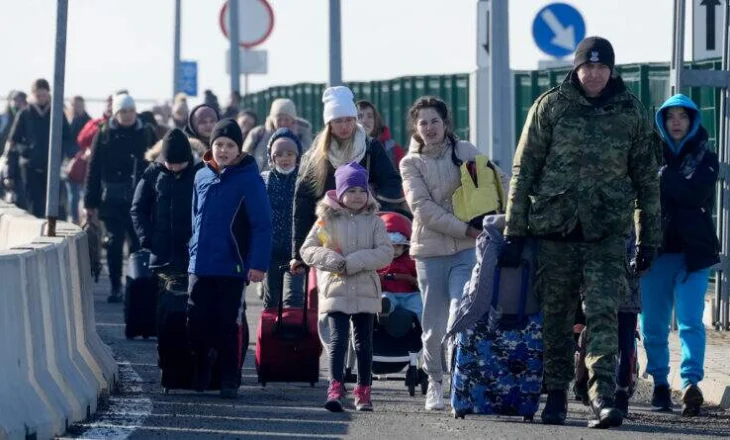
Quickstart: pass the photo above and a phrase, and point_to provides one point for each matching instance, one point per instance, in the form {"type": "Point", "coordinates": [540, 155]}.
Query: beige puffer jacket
{"type": "Point", "coordinates": [429, 181]}
{"type": "Point", "coordinates": [356, 246]}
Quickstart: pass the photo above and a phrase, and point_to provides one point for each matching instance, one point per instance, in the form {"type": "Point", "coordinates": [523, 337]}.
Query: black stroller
{"type": "Point", "coordinates": [396, 346]}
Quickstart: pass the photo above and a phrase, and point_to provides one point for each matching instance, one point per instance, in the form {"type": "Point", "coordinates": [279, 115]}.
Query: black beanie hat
{"type": "Point", "coordinates": [176, 147]}
{"type": "Point", "coordinates": [230, 129]}
{"type": "Point", "coordinates": [594, 50]}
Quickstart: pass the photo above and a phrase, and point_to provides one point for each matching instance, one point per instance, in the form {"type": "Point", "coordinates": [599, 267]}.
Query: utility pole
{"type": "Point", "coordinates": [57, 116]}
{"type": "Point", "coordinates": [176, 52]}
{"type": "Point", "coordinates": [335, 44]}
{"type": "Point", "coordinates": [233, 36]}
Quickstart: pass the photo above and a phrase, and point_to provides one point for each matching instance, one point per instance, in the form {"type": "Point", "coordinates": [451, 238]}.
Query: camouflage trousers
{"type": "Point", "coordinates": [600, 269]}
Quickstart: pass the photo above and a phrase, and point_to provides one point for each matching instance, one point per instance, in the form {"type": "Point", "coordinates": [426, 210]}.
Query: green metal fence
{"type": "Point", "coordinates": [393, 97]}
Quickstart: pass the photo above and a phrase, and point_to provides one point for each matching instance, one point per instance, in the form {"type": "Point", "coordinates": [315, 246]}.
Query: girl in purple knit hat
{"type": "Point", "coordinates": [347, 245]}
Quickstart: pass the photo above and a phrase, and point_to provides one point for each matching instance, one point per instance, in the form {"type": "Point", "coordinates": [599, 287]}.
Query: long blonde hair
{"type": "Point", "coordinates": [316, 163]}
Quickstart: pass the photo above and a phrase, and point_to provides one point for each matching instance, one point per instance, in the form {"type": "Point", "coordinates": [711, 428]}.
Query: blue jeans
{"type": "Point", "coordinates": [409, 301]}
{"type": "Point", "coordinates": [667, 284]}
{"type": "Point", "coordinates": [74, 192]}
{"type": "Point", "coordinates": [442, 281]}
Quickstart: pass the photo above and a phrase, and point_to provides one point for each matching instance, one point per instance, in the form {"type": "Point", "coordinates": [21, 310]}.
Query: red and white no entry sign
{"type": "Point", "coordinates": [255, 22]}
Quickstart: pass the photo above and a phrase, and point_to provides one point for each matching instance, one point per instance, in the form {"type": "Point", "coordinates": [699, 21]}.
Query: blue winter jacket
{"type": "Point", "coordinates": [231, 220]}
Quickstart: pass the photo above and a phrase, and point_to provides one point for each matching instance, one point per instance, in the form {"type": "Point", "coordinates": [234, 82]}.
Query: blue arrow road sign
{"type": "Point", "coordinates": [189, 78]}
{"type": "Point", "coordinates": [557, 29]}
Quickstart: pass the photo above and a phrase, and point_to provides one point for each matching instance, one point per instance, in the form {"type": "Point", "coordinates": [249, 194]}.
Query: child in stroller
{"type": "Point", "coordinates": [400, 286]}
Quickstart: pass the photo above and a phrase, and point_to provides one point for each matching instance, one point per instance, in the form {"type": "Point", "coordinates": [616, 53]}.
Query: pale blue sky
{"type": "Point", "coordinates": [128, 43]}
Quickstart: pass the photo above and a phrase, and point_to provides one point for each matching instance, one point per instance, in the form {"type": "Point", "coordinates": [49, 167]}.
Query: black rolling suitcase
{"type": "Point", "coordinates": [140, 297]}
{"type": "Point", "coordinates": [174, 353]}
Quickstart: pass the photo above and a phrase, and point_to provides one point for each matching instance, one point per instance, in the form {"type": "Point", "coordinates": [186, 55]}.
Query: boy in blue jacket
{"type": "Point", "coordinates": [230, 247]}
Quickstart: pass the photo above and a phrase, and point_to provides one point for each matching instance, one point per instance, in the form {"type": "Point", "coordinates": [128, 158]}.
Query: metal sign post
{"type": "Point", "coordinates": [335, 44]}
{"type": "Point", "coordinates": [233, 39]}
{"type": "Point", "coordinates": [176, 52]}
{"type": "Point", "coordinates": [57, 116]}
{"type": "Point", "coordinates": [491, 124]}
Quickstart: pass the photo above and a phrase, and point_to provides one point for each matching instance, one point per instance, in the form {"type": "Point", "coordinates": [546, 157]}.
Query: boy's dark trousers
{"type": "Point", "coordinates": [213, 310]}
{"type": "Point", "coordinates": [339, 324]}
{"type": "Point", "coordinates": [118, 228]}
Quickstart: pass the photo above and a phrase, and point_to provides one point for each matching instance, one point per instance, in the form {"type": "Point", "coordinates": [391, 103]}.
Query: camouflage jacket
{"type": "Point", "coordinates": [579, 163]}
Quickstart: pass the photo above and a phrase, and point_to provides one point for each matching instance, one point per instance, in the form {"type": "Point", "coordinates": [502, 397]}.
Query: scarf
{"type": "Point", "coordinates": [691, 161]}
{"type": "Point", "coordinates": [354, 153]}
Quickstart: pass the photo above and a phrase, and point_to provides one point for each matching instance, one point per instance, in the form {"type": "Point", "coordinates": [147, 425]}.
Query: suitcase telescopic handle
{"type": "Point", "coordinates": [283, 270]}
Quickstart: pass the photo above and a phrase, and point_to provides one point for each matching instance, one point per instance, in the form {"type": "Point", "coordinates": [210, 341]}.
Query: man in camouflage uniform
{"type": "Point", "coordinates": [583, 165]}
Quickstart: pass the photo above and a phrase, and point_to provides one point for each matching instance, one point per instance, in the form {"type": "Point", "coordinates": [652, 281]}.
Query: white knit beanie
{"type": "Point", "coordinates": [122, 102]}
{"type": "Point", "coordinates": [283, 106]}
{"type": "Point", "coordinates": [339, 102]}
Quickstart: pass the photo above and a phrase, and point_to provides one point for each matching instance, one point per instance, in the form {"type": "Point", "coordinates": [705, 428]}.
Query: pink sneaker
{"type": "Point", "coordinates": [335, 396]}
{"type": "Point", "coordinates": [362, 398]}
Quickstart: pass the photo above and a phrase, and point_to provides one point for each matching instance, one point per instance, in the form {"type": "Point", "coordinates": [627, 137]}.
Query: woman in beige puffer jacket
{"type": "Point", "coordinates": [347, 245]}
{"type": "Point", "coordinates": [442, 245]}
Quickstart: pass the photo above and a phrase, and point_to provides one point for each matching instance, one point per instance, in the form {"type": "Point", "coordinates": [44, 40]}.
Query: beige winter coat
{"type": "Point", "coordinates": [355, 246]}
{"type": "Point", "coordinates": [429, 181]}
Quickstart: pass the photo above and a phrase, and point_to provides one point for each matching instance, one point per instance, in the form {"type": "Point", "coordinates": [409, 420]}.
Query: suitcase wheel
{"type": "Point", "coordinates": [459, 414]}
{"type": "Point", "coordinates": [263, 384]}
{"type": "Point", "coordinates": [166, 391]}
{"type": "Point", "coordinates": [528, 418]}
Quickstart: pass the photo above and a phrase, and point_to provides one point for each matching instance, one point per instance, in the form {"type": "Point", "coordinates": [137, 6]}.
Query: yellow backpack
{"type": "Point", "coordinates": [472, 200]}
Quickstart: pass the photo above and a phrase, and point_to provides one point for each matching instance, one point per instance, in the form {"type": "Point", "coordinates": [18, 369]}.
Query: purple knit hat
{"type": "Point", "coordinates": [349, 176]}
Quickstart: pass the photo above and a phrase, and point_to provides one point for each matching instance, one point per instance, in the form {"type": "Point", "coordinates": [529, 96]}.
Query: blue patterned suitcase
{"type": "Point", "coordinates": [498, 366]}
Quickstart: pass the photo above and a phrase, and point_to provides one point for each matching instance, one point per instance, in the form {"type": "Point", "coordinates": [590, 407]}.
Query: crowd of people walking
{"type": "Point", "coordinates": [616, 206]}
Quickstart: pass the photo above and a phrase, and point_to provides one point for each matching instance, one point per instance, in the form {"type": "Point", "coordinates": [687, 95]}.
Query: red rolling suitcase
{"type": "Point", "coordinates": [287, 345]}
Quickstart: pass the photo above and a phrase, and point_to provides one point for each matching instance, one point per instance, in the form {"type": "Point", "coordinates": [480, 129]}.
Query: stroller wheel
{"type": "Point", "coordinates": [412, 380]}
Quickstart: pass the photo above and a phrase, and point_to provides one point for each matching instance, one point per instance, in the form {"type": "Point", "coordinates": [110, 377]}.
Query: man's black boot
{"type": "Point", "coordinates": [556, 408]}
{"type": "Point", "coordinates": [607, 416]}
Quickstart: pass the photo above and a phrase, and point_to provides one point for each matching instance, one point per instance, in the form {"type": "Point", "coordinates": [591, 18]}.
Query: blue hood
{"type": "Point", "coordinates": [678, 100]}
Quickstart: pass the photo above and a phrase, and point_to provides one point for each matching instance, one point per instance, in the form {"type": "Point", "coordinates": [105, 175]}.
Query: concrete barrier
{"type": "Point", "coordinates": [53, 365]}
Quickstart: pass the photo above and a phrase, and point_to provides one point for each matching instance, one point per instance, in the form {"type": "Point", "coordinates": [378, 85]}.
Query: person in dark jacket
{"type": "Point", "coordinates": [340, 142]}
{"type": "Point", "coordinates": [679, 277]}
{"type": "Point", "coordinates": [201, 121]}
{"type": "Point", "coordinates": [17, 101]}
{"type": "Point", "coordinates": [115, 166]}
{"type": "Point", "coordinates": [77, 121]}
{"type": "Point", "coordinates": [371, 120]}
{"type": "Point", "coordinates": [230, 247]}
{"type": "Point", "coordinates": [162, 202]}
{"type": "Point", "coordinates": [27, 152]}
{"type": "Point", "coordinates": [285, 151]}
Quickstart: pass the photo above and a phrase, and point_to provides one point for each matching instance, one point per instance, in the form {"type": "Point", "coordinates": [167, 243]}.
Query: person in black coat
{"type": "Point", "coordinates": [27, 152]}
{"type": "Point", "coordinates": [340, 142]}
{"type": "Point", "coordinates": [116, 165]}
{"type": "Point", "coordinates": [161, 210]}
{"type": "Point", "coordinates": [679, 277]}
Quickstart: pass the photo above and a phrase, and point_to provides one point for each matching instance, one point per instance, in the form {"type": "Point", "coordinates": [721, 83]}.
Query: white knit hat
{"type": "Point", "coordinates": [283, 106]}
{"type": "Point", "coordinates": [122, 102]}
{"type": "Point", "coordinates": [339, 102]}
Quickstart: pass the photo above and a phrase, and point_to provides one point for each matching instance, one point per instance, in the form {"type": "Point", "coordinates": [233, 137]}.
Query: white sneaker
{"type": "Point", "coordinates": [435, 396]}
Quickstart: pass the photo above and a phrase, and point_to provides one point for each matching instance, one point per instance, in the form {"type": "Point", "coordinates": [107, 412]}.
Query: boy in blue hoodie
{"type": "Point", "coordinates": [230, 247]}
{"type": "Point", "coordinates": [284, 152]}
{"type": "Point", "coordinates": [679, 276]}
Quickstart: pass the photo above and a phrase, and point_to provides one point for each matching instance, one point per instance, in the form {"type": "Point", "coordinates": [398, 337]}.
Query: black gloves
{"type": "Point", "coordinates": [642, 260]}
{"type": "Point", "coordinates": [511, 253]}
